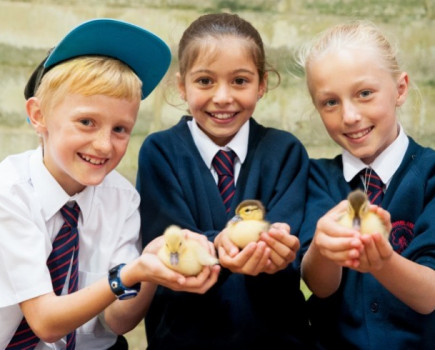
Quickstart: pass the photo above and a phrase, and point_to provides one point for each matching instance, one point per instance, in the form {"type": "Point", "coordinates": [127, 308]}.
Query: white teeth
{"type": "Point", "coordinates": [93, 161]}
{"type": "Point", "coordinates": [357, 135]}
{"type": "Point", "coordinates": [222, 116]}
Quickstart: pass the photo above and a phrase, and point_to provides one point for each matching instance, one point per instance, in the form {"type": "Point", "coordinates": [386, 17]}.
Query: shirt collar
{"type": "Point", "coordinates": [50, 194]}
{"type": "Point", "coordinates": [385, 165]}
{"type": "Point", "coordinates": [208, 149]}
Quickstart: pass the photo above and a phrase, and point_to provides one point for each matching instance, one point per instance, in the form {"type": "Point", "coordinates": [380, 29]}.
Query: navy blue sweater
{"type": "Point", "coordinates": [362, 314]}
{"type": "Point", "coordinates": [239, 312]}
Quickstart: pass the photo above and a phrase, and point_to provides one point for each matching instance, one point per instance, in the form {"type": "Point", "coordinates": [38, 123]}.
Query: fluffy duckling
{"type": "Point", "coordinates": [248, 223]}
{"type": "Point", "coordinates": [186, 256]}
{"type": "Point", "coordinates": [359, 216]}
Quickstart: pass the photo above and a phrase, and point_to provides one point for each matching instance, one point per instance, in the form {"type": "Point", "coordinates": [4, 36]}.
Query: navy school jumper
{"type": "Point", "coordinates": [239, 312]}
{"type": "Point", "coordinates": [362, 314]}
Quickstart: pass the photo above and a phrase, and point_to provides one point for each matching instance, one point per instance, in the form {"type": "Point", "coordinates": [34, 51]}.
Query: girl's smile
{"type": "Point", "coordinates": [356, 135]}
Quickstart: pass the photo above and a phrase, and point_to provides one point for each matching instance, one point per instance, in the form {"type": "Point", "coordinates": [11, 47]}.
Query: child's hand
{"type": "Point", "coordinates": [283, 246]}
{"type": "Point", "coordinates": [251, 260]}
{"type": "Point", "coordinates": [223, 243]}
{"type": "Point", "coordinates": [377, 251]}
{"type": "Point", "coordinates": [383, 214]}
{"type": "Point", "coordinates": [377, 248]}
{"type": "Point", "coordinates": [199, 283]}
{"type": "Point", "coordinates": [335, 242]}
{"type": "Point", "coordinates": [152, 269]}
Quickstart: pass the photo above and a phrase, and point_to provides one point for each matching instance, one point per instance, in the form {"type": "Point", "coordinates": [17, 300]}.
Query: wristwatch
{"type": "Point", "coordinates": [121, 291]}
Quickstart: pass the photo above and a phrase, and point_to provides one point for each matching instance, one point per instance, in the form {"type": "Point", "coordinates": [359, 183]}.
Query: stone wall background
{"type": "Point", "coordinates": [29, 28]}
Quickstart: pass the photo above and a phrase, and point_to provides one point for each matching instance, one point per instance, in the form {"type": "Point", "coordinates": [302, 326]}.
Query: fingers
{"type": "Point", "coordinates": [258, 261]}
{"type": "Point", "coordinates": [383, 245]}
{"type": "Point", "coordinates": [154, 246]}
{"type": "Point", "coordinates": [200, 238]}
{"type": "Point", "coordinates": [336, 242]}
{"type": "Point", "coordinates": [281, 226]}
{"type": "Point", "coordinates": [203, 281]}
{"type": "Point", "coordinates": [377, 251]}
{"type": "Point", "coordinates": [251, 260]}
{"type": "Point", "coordinates": [384, 214]}
{"type": "Point", "coordinates": [343, 252]}
{"type": "Point", "coordinates": [152, 269]}
{"type": "Point", "coordinates": [223, 243]}
{"type": "Point", "coordinates": [193, 284]}
{"type": "Point", "coordinates": [283, 247]}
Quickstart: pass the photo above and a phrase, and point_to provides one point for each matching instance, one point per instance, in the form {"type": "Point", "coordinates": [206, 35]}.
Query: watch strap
{"type": "Point", "coordinates": [121, 291]}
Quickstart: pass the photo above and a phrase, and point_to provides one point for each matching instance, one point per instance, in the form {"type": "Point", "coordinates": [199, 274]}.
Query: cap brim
{"type": "Point", "coordinates": [146, 54]}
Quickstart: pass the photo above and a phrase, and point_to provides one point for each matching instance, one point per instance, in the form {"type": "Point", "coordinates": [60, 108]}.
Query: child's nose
{"type": "Point", "coordinates": [350, 113]}
{"type": "Point", "coordinates": [102, 142]}
{"type": "Point", "coordinates": [222, 94]}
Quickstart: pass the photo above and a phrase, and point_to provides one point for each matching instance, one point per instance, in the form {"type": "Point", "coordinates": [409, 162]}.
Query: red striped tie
{"type": "Point", "coordinates": [223, 162]}
{"type": "Point", "coordinates": [374, 186]}
{"type": "Point", "coordinates": [65, 249]}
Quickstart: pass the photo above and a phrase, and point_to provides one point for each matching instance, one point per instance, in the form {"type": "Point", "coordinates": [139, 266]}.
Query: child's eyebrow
{"type": "Point", "coordinates": [201, 71]}
{"type": "Point", "coordinates": [243, 70]}
{"type": "Point", "coordinates": [323, 93]}
{"type": "Point", "coordinates": [236, 71]}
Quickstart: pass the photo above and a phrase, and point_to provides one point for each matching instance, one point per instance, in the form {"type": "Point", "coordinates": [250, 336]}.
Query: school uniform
{"type": "Point", "coordinates": [30, 201]}
{"type": "Point", "coordinates": [178, 186]}
{"type": "Point", "coordinates": [362, 314]}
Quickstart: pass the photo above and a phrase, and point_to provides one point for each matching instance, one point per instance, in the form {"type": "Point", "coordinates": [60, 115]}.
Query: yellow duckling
{"type": "Point", "coordinates": [248, 223]}
{"type": "Point", "coordinates": [360, 217]}
{"type": "Point", "coordinates": [186, 256]}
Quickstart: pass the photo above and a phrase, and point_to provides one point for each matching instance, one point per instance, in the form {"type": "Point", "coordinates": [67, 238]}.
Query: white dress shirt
{"type": "Point", "coordinates": [30, 200]}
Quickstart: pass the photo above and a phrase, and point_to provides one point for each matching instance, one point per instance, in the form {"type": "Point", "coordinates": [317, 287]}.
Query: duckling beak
{"type": "Point", "coordinates": [236, 218]}
{"type": "Point", "coordinates": [173, 258]}
{"type": "Point", "coordinates": [356, 222]}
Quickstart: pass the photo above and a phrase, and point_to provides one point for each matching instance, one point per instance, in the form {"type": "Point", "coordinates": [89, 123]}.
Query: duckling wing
{"type": "Point", "coordinates": [202, 255]}
{"type": "Point", "coordinates": [372, 223]}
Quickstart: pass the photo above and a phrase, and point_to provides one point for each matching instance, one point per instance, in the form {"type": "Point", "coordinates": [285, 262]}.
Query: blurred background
{"type": "Point", "coordinates": [29, 28]}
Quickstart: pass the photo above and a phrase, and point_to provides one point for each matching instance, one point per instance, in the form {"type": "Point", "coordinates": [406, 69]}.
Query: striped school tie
{"type": "Point", "coordinates": [65, 249]}
{"type": "Point", "coordinates": [223, 162]}
{"type": "Point", "coordinates": [373, 186]}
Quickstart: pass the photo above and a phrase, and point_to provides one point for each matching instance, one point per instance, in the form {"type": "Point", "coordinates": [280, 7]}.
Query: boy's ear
{"type": "Point", "coordinates": [34, 114]}
{"type": "Point", "coordinates": [402, 89]}
{"type": "Point", "coordinates": [181, 86]}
